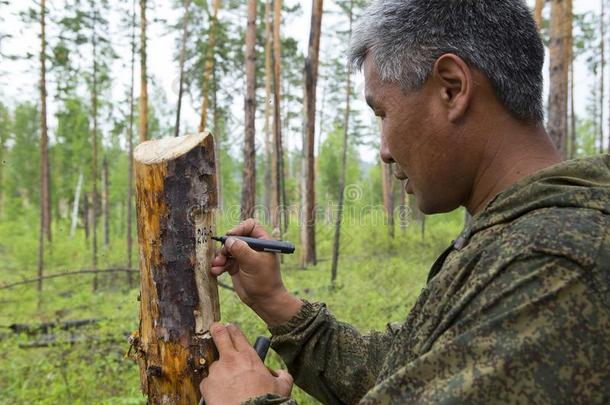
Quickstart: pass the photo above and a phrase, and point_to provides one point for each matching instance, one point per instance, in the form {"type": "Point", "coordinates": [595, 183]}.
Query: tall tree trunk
{"type": "Point", "coordinates": [130, 147]}
{"type": "Point", "coordinates": [143, 76]}
{"type": "Point", "coordinates": [308, 251]}
{"type": "Point", "coordinates": [185, 24]}
{"type": "Point", "coordinates": [277, 122]}
{"type": "Point", "coordinates": [572, 148]}
{"type": "Point", "coordinates": [86, 215]}
{"type": "Point", "coordinates": [248, 193]}
{"type": "Point", "coordinates": [94, 159]}
{"type": "Point", "coordinates": [404, 212]}
{"type": "Point", "coordinates": [388, 195]}
{"type": "Point", "coordinates": [45, 196]}
{"type": "Point", "coordinates": [558, 96]}
{"type": "Point", "coordinates": [602, 46]}
{"type": "Point", "coordinates": [348, 92]}
{"type": "Point", "coordinates": [105, 202]}
{"type": "Point", "coordinates": [209, 65]}
{"type": "Point", "coordinates": [538, 13]}
{"type": "Point", "coordinates": [267, 128]}
{"type": "Point", "coordinates": [217, 135]}
{"type": "Point", "coordinates": [74, 220]}
{"type": "Point", "coordinates": [177, 206]}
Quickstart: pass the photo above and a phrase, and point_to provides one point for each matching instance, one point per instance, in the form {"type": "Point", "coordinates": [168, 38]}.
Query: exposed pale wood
{"type": "Point", "coordinates": [176, 203]}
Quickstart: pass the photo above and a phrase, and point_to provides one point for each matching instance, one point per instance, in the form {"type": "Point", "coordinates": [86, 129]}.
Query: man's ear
{"type": "Point", "coordinates": [454, 79]}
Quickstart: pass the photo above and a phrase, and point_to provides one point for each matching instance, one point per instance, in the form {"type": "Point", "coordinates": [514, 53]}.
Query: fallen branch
{"type": "Point", "coordinates": [77, 272]}
{"type": "Point", "coordinates": [66, 273]}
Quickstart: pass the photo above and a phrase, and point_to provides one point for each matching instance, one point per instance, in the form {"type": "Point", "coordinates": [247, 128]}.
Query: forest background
{"type": "Point", "coordinates": [293, 132]}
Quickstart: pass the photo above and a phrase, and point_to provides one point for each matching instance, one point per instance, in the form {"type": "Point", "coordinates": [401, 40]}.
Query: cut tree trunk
{"type": "Point", "coordinates": [176, 202]}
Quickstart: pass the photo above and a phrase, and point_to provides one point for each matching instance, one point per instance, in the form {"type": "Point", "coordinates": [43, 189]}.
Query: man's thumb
{"type": "Point", "coordinates": [239, 249]}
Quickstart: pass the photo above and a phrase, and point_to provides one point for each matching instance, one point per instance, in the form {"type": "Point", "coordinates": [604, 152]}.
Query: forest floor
{"type": "Point", "coordinates": [378, 281]}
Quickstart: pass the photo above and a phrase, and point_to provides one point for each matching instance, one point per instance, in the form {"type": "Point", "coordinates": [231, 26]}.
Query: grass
{"type": "Point", "coordinates": [378, 281]}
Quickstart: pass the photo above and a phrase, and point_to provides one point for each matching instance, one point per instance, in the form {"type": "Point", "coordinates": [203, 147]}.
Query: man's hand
{"type": "Point", "coordinates": [256, 275]}
{"type": "Point", "coordinates": [239, 374]}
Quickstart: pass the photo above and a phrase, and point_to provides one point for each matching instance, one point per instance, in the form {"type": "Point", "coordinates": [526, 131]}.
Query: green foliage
{"type": "Point", "coordinates": [329, 165]}
{"type": "Point", "coordinates": [378, 281]}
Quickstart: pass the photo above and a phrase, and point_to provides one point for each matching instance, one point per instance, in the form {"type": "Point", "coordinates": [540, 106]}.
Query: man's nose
{"type": "Point", "coordinates": [384, 152]}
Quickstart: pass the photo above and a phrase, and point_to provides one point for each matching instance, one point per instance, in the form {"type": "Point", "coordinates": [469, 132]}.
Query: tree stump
{"type": "Point", "coordinates": [176, 205]}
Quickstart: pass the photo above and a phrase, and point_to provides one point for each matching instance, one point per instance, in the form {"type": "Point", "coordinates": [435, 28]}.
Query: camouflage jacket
{"type": "Point", "coordinates": [516, 310]}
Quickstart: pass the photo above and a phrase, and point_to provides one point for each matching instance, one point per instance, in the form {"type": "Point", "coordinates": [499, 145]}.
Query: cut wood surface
{"type": "Point", "coordinates": [176, 200]}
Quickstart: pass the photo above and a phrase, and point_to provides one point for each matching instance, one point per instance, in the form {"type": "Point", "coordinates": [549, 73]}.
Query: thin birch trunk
{"type": "Point", "coordinates": [74, 221]}
{"type": "Point", "coordinates": [185, 24]}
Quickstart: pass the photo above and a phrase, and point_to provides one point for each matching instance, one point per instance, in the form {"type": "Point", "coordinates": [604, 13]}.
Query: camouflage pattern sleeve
{"type": "Point", "coordinates": [270, 399]}
{"type": "Point", "coordinates": [328, 359]}
{"type": "Point", "coordinates": [538, 334]}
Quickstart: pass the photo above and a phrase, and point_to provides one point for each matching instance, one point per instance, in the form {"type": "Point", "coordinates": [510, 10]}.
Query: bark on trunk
{"type": "Point", "coordinates": [105, 202]}
{"type": "Point", "coordinates": [388, 196]}
{"type": "Point", "coordinates": [86, 215]}
{"type": "Point", "coordinates": [130, 146]}
{"type": "Point", "coordinates": [74, 221]}
{"type": "Point", "coordinates": [267, 128]}
{"type": "Point", "coordinates": [248, 191]}
{"type": "Point", "coordinates": [348, 86]}
{"type": "Point", "coordinates": [538, 12]}
{"type": "Point", "coordinates": [94, 159]}
{"type": "Point", "coordinates": [308, 251]}
{"type": "Point", "coordinates": [209, 66]}
{"type": "Point", "coordinates": [602, 49]}
{"type": "Point", "coordinates": [558, 95]}
{"type": "Point", "coordinates": [277, 122]}
{"type": "Point", "coordinates": [45, 196]}
{"type": "Point", "coordinates": [143, 77]}
{"type": "Point", "coordinates": [176, 204]}
{"type": "Point", "coordinates": [185, 25]}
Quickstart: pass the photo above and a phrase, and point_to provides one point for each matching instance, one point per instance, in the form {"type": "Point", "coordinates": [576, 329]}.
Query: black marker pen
{"type": "Point", "coordinates": [262, 245]}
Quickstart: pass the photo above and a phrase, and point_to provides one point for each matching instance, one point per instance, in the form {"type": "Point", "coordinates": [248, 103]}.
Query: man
{"type": "Point", "coordinates": [517, 309]}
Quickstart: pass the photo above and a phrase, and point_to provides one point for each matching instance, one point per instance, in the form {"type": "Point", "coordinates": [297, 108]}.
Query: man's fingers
{"type": "Point", "coordinates": [222, 339]}
{"type": "Point", "coordinates": [240, 250]}
{"type": "Point", "coordinates": [239, 340]}
{"type": "Point", "coordinates": [250, 227]}
{"type": "Point", "coordinates": [285, 382]}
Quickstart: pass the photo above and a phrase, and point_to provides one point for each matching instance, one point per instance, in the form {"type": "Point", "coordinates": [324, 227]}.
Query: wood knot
{"type": "Point", "coordinates": [154, 371]}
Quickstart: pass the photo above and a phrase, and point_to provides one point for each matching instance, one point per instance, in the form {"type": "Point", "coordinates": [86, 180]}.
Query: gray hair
{"type": "Point", "coordinates": [498, 37]}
